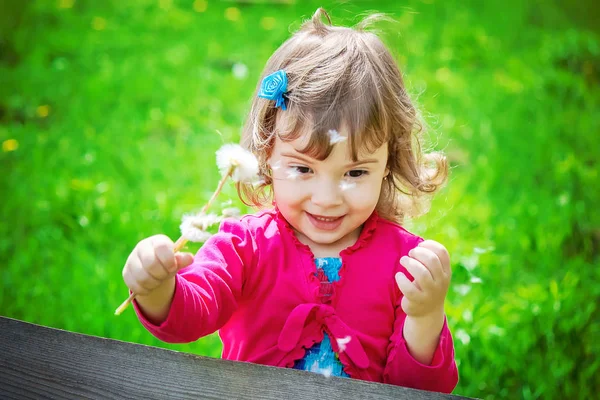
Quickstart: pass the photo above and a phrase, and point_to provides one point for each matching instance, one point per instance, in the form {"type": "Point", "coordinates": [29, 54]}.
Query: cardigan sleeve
{"type": "Point", "coordinates": [403, 370]}
{"type": "Point", "coordinates": [207, 291]}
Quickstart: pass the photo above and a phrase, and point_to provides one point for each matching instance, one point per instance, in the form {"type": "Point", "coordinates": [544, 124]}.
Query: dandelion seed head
{"type": "Point", "coordinates": [194, 226]}
{"type": "Point", "coordinates": [231, 212]}
{"type": "Point", "coordinates": [243, 162]}
{"type": "Point", "coordinates": [195, 235]}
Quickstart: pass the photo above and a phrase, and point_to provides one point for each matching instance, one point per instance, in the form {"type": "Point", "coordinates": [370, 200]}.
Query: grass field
{"type": "Point", "coordinates": [110, 114]}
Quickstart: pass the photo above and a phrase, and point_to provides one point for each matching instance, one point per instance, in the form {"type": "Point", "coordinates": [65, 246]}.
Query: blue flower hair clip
{"type": "Point", "coordinates": [273, 87]}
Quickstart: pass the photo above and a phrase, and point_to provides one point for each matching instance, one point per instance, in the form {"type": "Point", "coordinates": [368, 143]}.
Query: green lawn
{"type": "Point", "coordinates": [111, 111]}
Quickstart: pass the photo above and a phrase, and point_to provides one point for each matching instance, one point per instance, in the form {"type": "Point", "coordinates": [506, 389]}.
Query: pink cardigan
{"type": "Point", "coordinates": [255, 283]}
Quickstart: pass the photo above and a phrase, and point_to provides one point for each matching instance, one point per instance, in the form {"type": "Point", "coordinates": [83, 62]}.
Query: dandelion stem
{"type": "Point", "coordinates": [182, 241]}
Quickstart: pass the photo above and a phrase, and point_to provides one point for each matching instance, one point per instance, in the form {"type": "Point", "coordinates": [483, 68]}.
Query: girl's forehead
{"type": "Point", "coordinates": [341, 149]}
{"type": "Point", "coordinates": [318, 141]}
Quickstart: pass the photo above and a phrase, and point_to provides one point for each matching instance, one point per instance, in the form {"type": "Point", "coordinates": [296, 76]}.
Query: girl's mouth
{"type": "Point", "coordinates": [325, 223]}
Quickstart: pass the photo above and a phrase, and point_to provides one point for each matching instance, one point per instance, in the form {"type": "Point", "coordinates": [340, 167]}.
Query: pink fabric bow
{"type": "Point", "coordinates": [324, 316]}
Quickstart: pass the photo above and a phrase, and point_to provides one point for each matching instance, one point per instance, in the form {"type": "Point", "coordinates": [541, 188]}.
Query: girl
{"type": "Point", "coordinates": [325, 280]}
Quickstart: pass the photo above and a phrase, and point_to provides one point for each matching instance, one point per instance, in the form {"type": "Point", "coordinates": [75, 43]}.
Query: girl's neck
{"type": "Point", "coordinates": [321, 250]}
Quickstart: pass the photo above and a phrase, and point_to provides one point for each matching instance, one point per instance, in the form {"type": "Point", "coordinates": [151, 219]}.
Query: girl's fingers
{"type": "Point", "coordinates": [440, 251]}
{"type": "Point", "coordinates": [408, 288]}
{"type": "Point", "coordinates": [163, 251]}
{"type": "Point", "coordinates": [183, 260]}
{"type": "Point", "coordinates": [130, 279]}
{"type": "Point", "coordinates": [422, 275]}
{"type": "Point", "coordinates": [429, 260]}
{"type": "Point", "coordinates": [143, 278]}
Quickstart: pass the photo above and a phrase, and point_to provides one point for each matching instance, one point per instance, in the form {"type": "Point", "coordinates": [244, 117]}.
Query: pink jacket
{"type": "Point", "coordinates": [255, 282]}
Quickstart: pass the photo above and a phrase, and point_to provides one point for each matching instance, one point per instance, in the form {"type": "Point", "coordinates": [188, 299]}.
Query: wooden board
{"type": "Point", "coordinates": [40, 362]}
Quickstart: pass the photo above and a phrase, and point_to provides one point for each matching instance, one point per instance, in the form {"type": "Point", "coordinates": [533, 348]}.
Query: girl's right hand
{"type": "Point", "coordinates": [151, 263]}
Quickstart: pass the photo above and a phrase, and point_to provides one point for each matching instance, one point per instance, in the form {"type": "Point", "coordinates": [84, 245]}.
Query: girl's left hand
{"type": "Point", "coordinates": [429, 264]}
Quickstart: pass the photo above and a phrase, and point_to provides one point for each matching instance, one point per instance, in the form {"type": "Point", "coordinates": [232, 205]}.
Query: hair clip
{"type": "Point", "coordinates": [273, 87]}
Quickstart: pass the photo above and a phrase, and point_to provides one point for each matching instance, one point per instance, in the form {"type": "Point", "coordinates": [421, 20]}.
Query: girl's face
{"type": "Point", "coordinates": [326, 202]}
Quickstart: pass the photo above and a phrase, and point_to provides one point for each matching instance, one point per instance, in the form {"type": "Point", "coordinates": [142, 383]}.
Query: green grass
{"type": "Point", "coordinates": [110, 114]}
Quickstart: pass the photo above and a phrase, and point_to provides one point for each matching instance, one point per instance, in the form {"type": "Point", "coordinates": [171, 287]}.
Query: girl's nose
{"type": "Point", "coordinates": [327, 193]}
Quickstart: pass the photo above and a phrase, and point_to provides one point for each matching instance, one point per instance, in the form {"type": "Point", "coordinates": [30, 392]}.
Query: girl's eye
{"type": "Point", "coordinates": [357, 173]}
{"type": "Point", "coordinates": [301, 170]}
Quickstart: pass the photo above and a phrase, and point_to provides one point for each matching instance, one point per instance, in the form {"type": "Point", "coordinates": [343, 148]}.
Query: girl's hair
{"type": "Point", "coordinates": [343, 75]}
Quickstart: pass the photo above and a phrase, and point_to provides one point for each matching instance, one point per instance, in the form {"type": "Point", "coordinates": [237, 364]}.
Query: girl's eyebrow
{"type": "Point", "coordinates": [296, 156]}
{"type": "Point", "coordinates": [360, 162]}
{"type": "Point", "coordinates": [307, 160]}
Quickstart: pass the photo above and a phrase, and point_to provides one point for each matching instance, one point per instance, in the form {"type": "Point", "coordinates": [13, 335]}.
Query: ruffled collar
{"type": "Point", "coordinates": [364, 237]}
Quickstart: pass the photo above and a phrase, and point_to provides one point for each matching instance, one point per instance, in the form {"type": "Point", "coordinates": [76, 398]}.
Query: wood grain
{"type": "Point", "coordinates": [40, 362]}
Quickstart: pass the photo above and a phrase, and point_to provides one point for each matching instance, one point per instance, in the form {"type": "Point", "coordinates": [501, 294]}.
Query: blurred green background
{"type": "Point", "coordinates": [111, 111]}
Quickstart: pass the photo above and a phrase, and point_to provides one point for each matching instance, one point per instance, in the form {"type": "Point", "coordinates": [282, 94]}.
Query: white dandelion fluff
{"type": "Point", "coordinates": [292, 174]}
{"type": "Point", "coordinates": [335, 137]}
{"type": "Point", "coordinates": [231, 212]}
{"type": "Point", "coordinates": [342, 342]}
{"type": "Point", "coordinates": [194, 226]}
{"type": "Point", "coordinates": [347, 185]}
{"type": "Point", "coordinates": [258, 183]}
{"type": "Point", "coordinates": [326, 372]}
{"type": "Point", "coordinates": [244, 163]}
{"type": "Point", "coordinates": [239, 70]}
{"type": "Point", "coordinates": [276, 165]}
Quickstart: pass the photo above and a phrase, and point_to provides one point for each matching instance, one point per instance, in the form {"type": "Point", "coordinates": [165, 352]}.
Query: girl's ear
{"type": "Point", "coordinates": [386, 172]}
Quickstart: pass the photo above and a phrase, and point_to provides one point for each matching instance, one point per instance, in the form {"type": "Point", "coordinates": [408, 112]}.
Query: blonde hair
{"type": "Point", "coordinates": [338, 74]}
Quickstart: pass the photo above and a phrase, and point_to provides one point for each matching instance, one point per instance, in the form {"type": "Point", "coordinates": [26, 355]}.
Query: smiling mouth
{"type": "Point", "coordinates": [325, 223]}
{"type": "Point", "coordinates": [324, 219]}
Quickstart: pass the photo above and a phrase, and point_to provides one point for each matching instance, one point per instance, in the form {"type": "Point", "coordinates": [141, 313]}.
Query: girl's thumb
{"type": "Point", "coordinates": [183, 260]}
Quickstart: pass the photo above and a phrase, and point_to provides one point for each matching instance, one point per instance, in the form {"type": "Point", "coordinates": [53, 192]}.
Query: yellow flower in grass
{"type": "Point", "coordinates": [10, 145]}
{"type": "Point", "coordinates": [233, 14]}
{"type": "Point", "coordinates": [43, 111]}
{"type": "Point", "coordinates": [200, 5]}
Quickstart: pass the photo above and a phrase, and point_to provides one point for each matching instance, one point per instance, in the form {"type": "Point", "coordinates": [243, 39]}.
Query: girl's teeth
{"type": "Point", "coordinates": [325, 219]}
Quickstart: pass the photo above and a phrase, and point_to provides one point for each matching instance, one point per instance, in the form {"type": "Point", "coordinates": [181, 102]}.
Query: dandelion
{"type": "Point", "coordinates": [240, 164]}
{"type": "Point", "coordinates": [342, 342]}
{"type": "Point", "coordinates": [258, 183]}
{"type": "Point", "coordinates": [233, 162]}
{"type": "Point", "coordinates": [231, 212]}
{"type": "Point", "coordinates": [344, 185]}
{"type": "Point", "coordinates": [335, 137]}
{"type": "Point", "coordinates": [194, 226]}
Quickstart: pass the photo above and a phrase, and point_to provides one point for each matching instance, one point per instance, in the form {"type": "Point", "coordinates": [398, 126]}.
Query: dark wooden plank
{"type": "Point", "coordinates": [40, 362]}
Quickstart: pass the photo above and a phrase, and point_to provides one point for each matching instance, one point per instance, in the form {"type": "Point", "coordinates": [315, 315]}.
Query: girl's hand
{"type": "Point", "coordinates": [429, 264]}
{"type": "Point", "coordinates": [151, 263]}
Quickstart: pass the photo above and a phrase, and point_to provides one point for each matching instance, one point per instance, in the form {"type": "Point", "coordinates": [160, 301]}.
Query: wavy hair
{"type": "Point", "coordinates": [339, 74]}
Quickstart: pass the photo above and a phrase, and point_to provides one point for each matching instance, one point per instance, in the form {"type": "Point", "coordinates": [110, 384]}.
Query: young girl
{"type": "Point", "coordinates": [326, 280]}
